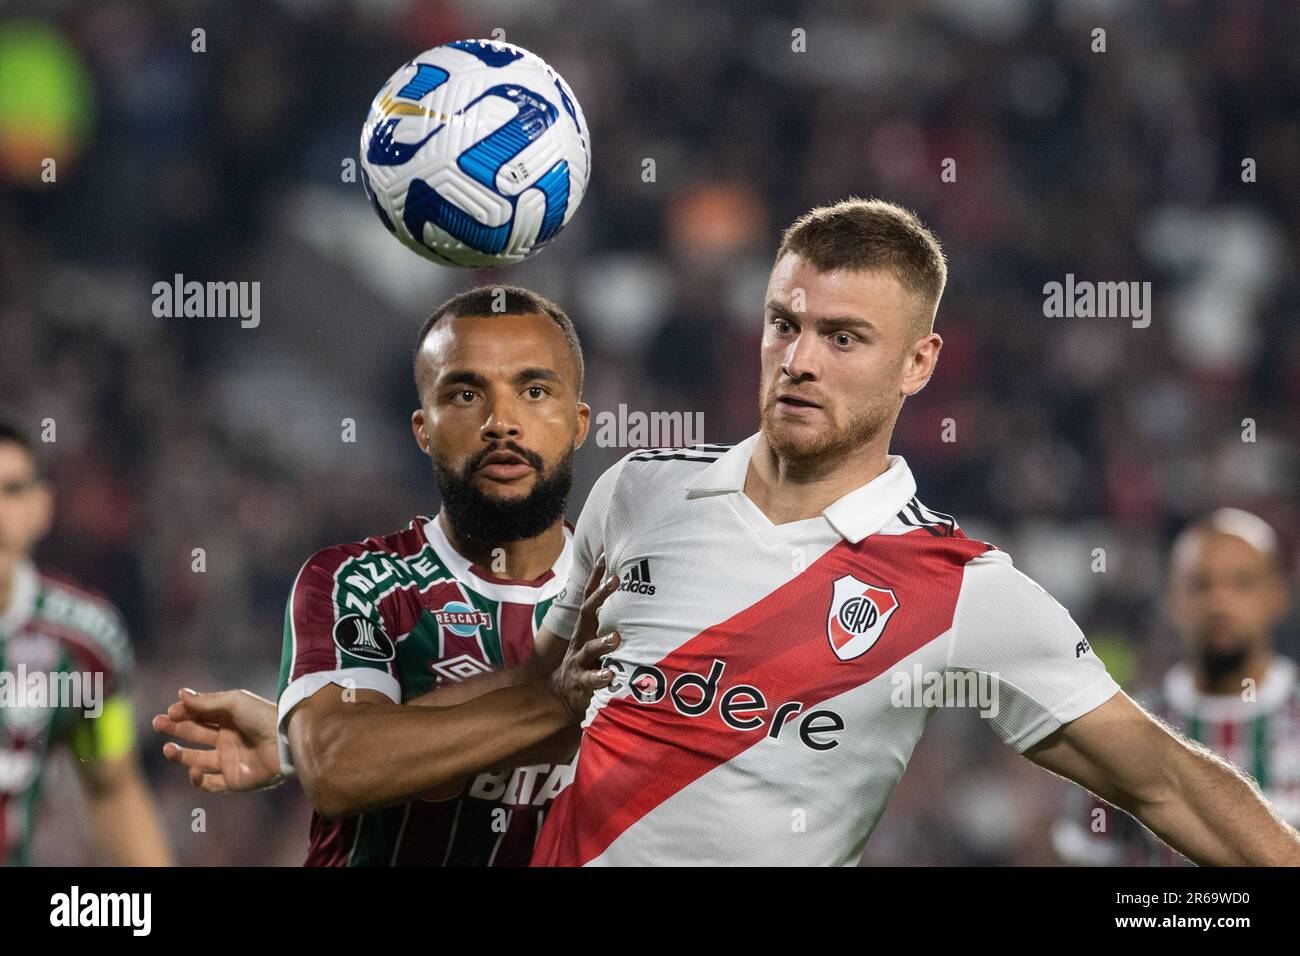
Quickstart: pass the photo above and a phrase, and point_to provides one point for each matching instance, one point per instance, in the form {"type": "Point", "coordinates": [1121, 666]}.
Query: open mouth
{"type": "Point", "coordinates": [505, 466]}
{"type": "Point", "coordinates": [795, 401]}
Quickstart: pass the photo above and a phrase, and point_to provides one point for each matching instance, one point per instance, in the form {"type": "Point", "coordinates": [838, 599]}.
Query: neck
{"type": "Point", "coordinates": [1255, 667]}
{"type": "Point", "coordinates": [787, 490]}
{"type": "Point", "coordinates": [521, 560]}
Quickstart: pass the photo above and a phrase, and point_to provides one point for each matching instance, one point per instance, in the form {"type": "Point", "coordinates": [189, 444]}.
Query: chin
{"type": "Point", "coordinates": [492, 489]}
{"type": "Point", "coordinates": [796, 440]}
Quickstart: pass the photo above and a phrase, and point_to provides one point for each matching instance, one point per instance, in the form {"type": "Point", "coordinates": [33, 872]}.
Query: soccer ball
{"type": "Point", "coordinates": [475, 154]}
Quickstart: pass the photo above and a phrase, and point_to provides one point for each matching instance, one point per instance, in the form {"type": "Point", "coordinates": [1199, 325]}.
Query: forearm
{"type": "Point", "coordinates": [559, 748]}
{"type": "Point", "coordinates": [459, 692]}
{"type": "Point", "coordinates": [125, 824]}
{"type": "Point", "coordinates": [345, 771]}
{"type": "Point", "coordinates": [448, 693]}
{"type": "Point", "coordinates": [1215, 816]}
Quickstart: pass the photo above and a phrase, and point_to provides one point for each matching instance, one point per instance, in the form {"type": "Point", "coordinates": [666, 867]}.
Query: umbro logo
{"type": "Point", "coordinates": [637, 578]}
{"type": "Point", "coordinates": [459, 668]}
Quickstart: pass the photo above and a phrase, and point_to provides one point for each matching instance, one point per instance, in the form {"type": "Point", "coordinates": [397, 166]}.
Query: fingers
{"type": "Point", "coordinates": [592, 680]}
{"type": "Point", "coordinates": [201, 761]}
{"type": "Point", "coordinates": [215, 706]}
{"type": "Point", "coordinates": [595, 578]}
{"type": "Point", "coordinates": [587, 675]}
{"type": "Point", "coordinates": [596, 597]}
{"type": "Point", "coordinates": [586, 629]}
{"type": "Point", "coordinates": [184, 729]}
{"type": "Point", "coordinates": [593, 651]}
{"type": "Point", "coordinates": [211, 782]}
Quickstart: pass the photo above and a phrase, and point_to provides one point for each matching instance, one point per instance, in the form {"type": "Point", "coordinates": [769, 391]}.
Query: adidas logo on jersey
{"type": "Point", "coordinates": [637, 578]}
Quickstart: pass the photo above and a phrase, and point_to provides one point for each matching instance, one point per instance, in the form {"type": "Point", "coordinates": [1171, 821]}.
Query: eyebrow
{"type": "Point", "coordinates": [825, 321]}
{"type": "Point", "coordinates": [469, 377]}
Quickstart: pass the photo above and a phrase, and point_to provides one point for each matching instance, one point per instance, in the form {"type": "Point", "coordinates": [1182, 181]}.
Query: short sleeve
{"type": "Point", "coordinates": [588, 545]}
{"type": "Point", "coordinates": [99, 647]}
{"type": "Point", "coordinates": [97, 637]}
{"type": "Point", "coordinates": [1044, 673]}
{"type": "Point", "coordinates": [333, 634]}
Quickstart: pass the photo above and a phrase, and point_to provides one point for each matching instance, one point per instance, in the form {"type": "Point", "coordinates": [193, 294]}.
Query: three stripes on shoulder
{"type": "Point", "coordinates": [700, 453]}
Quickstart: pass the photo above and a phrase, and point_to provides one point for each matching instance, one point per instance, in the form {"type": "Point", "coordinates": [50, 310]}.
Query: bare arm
{"type": "Point", "coordinates": [548, 651]}
{"type": "Point", "coordinates": [1193, 800]}
{"type": "Point", "coordinates": [367, 753]}
{"type": "Point", "coordinates": [122, 814]}
{"type": "Point", "coordinates": [239, 728]}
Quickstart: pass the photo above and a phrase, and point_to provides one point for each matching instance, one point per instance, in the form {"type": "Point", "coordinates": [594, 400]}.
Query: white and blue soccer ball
{"type": "Point", "coordinates": [475, 153]}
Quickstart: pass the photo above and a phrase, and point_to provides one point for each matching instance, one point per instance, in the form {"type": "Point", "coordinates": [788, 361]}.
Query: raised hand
{"type": "Point", "coordinates": [237, 728]}
{"type": "Point", "coordinates": [579, 674]}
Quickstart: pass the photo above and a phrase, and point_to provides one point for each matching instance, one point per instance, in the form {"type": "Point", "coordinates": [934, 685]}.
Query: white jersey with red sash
{"type": "Point", "coordinates": [773, 680]}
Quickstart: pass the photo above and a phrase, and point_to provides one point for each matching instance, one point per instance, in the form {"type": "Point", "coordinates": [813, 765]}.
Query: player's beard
{"type": "Point", "coordinates": [491, 521]}
{"type": "Point", "coordinates": [813, 446]}
{"type": "Point", "coordinates": [1218, 664]}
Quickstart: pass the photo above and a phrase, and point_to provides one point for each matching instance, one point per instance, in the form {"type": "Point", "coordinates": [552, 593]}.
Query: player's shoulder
{"type": "Point", "coordinates": [988, 574]}
{"type": "Point", "coordinates": [935, 536]}
{"type": "Point", "coordinates": [665, 468]}
{"type": "Point", "coordinates": [690, 454]}
{"type": "Point", "coordinates": [81, 616]}
{"type": "Point", "coordinates": [406, 543]}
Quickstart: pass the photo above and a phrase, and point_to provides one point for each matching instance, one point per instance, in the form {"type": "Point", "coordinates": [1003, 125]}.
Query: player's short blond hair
{"type": "Point", "coordinates": [873, 234]}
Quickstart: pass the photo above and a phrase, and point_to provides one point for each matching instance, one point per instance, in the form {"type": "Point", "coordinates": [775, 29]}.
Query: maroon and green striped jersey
{"type": "Point", "coordinates": [1258, 731]}
{"type": "Point", "coordinates": [64, 665]}
{"type": "Point", "coordinates": [403, 614]}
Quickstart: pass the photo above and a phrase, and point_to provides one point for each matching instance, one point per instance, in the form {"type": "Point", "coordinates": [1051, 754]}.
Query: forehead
{"type": "Point", "coordinates": [496, 344]}
{"type": "Point", "coordinates": [15, 461]}
{"type": "Point", "coordinates": [869, 293]}
{"type": "Point", "coordinates": [1215, 550]}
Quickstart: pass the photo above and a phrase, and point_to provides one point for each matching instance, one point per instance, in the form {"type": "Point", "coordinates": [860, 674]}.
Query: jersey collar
{"type": "Point", "coordinates": [1274, 690]}
{"type": "Point", "coordinates": [512, 592]}
{"type": "Point", "coordinates": [860, 513]}
{"type": "Point", "coordinates": [23, 592]}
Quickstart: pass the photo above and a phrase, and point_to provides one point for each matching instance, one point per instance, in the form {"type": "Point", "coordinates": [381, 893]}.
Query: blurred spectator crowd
{"type": "Point", "coordinates": [1069, 435]}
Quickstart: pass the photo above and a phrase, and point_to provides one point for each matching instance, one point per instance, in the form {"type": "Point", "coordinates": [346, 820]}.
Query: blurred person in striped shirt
{"type": "Point", "coordinates": [1232, 692]}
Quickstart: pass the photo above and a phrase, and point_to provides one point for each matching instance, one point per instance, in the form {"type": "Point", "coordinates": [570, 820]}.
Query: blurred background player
{"type": "Point", "coordinates": [439, 614]}
{"type": "Point", "coordinates": [1232, 692]}
{"type": "Point", "coordinates": [50, 626]}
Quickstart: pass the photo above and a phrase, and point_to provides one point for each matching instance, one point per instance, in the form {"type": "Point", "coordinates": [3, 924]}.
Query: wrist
{"type": "Point", "coordinates": [553, 701]}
